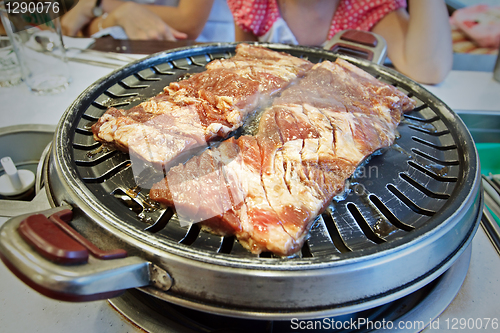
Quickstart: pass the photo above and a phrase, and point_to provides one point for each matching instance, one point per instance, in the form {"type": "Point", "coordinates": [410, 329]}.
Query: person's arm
{"type": "Point", "coordinates": [77, 18]}
{"type": "Point", "coordinates": [190, 16]}
{"type": "Point", "coordinates": [140, 21]}
{"type": "Point", "coordinates": [137, 21]}
{"type": "Point", "coordinates": [2, 30]}
{"type": "Point", "coordinates": [419, 44]}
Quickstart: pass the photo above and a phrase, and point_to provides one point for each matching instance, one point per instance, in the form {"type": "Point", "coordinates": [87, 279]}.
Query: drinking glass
{"type": "Point", "coordinates": [35, 34]}
{"type": "Point", "coordinates": [10, 72]}
{"type": "Point", "coordinates": [496, 70]}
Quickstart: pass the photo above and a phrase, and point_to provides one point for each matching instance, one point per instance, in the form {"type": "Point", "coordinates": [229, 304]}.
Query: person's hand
{"type": "Point", "coordinates": [141, 23]}
{"type": "Point", "coordinates": [77, 18]}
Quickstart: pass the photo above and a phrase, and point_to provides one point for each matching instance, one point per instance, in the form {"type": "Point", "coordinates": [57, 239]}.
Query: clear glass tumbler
{"type": "Point", "coordinates": [10, 72]}
{"type": "Point", "coordinates": [496, 70]}
{"type": "Point", "coordinates": [36, 37]}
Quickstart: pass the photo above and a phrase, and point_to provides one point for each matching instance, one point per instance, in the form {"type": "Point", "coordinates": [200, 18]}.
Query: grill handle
{"type": "Point", "coordinates": [360, 44]}
{"type": "Point", "coordinates": [54, 239]}
{"type": "Point", "coordinates": [54, 264]}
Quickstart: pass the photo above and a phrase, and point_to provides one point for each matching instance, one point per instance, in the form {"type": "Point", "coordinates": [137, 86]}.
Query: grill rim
{"type": "Point", "coordinates": [354, 307]}
{"type": "Point", "coordinates": [271, 273]}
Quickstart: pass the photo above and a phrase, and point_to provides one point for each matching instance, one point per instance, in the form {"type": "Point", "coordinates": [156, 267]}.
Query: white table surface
{"type": "Point", "coordinates": [21, 308]}
{"type": "Point", "coordinates": [24, 310]}
{"type": "Point", "coordinates": [467, 90]}
{"type": "Point", "coordinates": [20, 106]}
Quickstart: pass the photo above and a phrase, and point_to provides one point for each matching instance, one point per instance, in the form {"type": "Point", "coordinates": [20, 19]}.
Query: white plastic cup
{"type": "Point", "coordinates": [37, 42]}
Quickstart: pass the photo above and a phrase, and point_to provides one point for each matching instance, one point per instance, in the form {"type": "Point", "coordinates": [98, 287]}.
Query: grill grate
{"type": "Point", "coordinates": [391, 195]}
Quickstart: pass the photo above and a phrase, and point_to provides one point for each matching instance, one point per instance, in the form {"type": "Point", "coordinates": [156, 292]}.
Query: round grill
{"type": "Point", "coordinates": [408, 214]}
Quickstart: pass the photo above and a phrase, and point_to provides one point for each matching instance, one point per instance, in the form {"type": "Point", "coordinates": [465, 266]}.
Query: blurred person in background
{"type": "Point", "coordinates": [418, 39]}
{"type": "Point", "coordinates": [220, 24]}
{"type": "Point", "coordinates": [156, 20]}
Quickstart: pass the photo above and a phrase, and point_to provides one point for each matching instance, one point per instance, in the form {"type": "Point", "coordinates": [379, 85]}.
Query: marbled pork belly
{"type": "Point", "coordinates": [237, 205]}
{"type": "Point", "coordinates": [308, 143]}
{"type": "Point", "coordinates": [205, 106]}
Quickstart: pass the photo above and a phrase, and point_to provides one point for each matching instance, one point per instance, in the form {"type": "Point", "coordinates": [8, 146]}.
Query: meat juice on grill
{"type": "Point", "coordinates": [201, 108]}
{"type": "Point", "coordinates": [267, 188]}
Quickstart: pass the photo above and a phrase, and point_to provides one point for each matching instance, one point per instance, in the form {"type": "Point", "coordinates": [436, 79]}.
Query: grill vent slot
{"type": "Point", "coordinates": [90, 117]}
{"type": "Point", "coordinates": [429, 132]}
{"type": "Point", "coordinates": [143, 78]}
{"type": "Point", "coordinates": [161, 223]}
{"type": "Point", "coordinates": [196, 63]}
{"type": "Point", "coordinates": [107, 175]}
{"type": "Point", "coordinates": [430, 120]}
{"type": "Point", "coordinates": [306, 251]}
{"type": "Point", "coordinates": [176, 65]}
{"type": "Point", "coordinates": [365, 227]}
{"type": "Point", "coordinates": [162, 72]}
{"type": "Point", "coordinates": [413, 206]}
{"type": "Point", "coordinates": [114, 95]}
{"type": "Point", "coordinates": [422, 188]}
{"type": "Point", "coordinates": [173, 231]}
{"type": "Point", "coordinates": [321, 242]}
{"type": "Point", "coordinates": [93, 146]}
{"type": "Point", "coordinates": [129, 202]}
{"type": "Point", "coordinates": [434, 159]}
{"type": "Point", "coordinates": [226, 245]}
{"type": "Point", "coordinates": [83, 131]}
{"type": "Point", "coordinates": [116, 105]}
{"type": "Point", "coordinates": [128, 86]}
{"type": "Point", "coordinates": [266, 255]}
{"type": "Point", "coordinates": [386, 212]}
{"type": "Point", "coordinates": [432, 145]}
{"type": "Point", "coordinates": [420, 108]}
{"type": "Point", "coordinates": [99, 105]}
{"type": "Point", "coordinates": [432, 174]}
{"type": "Point", "coordinates": [100, 159]}
{"type": "Point", "coordinates": [192, 235]}
{"type": "Point", "coordinates": [334, 232]}
{"type": "Point", "coordinates": [225, 55]}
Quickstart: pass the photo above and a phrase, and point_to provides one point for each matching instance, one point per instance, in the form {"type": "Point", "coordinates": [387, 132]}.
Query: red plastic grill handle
{"type": "Point", "coordinates": [54, 239]}
{"type": "Point", "coordinates": [51, 242]}
{"type": "Point", "coordinates": [60, 219]}
{"type": "Point", "coordinates": [361, 37]}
